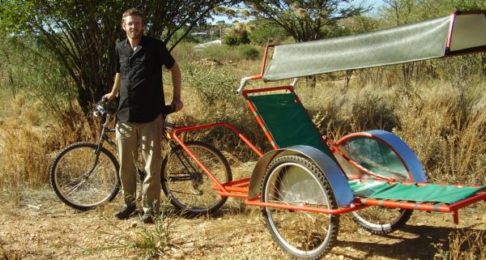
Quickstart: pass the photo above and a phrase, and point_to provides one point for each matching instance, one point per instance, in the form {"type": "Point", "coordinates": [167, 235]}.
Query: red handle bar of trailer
{"type": "Point", "coordinates": [262, 70]}
{"type": "Point", "coordinates": [263, 65]}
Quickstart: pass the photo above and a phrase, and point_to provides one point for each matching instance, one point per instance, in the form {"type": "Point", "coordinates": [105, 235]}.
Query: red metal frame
{"type": "Point", "coordinates": [178, 130]}
{"type": "Point", "coordinates": [449, 34]}
{"type": "Point", "coordinates": [239, 188]}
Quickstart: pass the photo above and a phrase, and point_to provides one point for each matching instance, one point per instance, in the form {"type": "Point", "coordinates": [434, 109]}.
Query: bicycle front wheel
{"type": "Point", "coordinates": [84, 176]}
{"type": "Point", "coordinates": [187, 186]}
{"type": "Point", "coordinates": [294, 181]}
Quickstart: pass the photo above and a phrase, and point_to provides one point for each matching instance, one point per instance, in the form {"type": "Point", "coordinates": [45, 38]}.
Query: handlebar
{"type": "Point", "coordinates": [104, 107]}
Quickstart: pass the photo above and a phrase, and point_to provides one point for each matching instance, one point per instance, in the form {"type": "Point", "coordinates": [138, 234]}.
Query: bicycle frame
{"type": "Point", "coordinates": [105, 129]}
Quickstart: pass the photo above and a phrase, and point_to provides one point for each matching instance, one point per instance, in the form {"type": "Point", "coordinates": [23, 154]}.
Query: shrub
{"type": "Point", "coordinates": [231, 40]}
{"type": "Point", "coordinates": [220, 53]}
{"type": "Point", "coordinates": [248, 52]}
{"type": "Point", "coordinates": [237, 35]}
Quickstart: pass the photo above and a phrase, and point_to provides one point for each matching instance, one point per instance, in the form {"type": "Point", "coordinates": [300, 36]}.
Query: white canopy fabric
{"type": "Point", "coordinates": [454, 34]}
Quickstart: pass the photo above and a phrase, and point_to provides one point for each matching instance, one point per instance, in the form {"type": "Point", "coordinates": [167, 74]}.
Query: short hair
{"type": "Point", "coordinates": [132, 12]}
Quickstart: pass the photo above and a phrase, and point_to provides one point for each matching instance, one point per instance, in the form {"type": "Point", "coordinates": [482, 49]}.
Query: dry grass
{"type": "Point", "coordinates": [468, 244]}
{"type": "Point", "coordinates": [463, 244]}
{"type": "Point", "coordinates": [29, 141]}
{"type": "Point", "coordinates": [444, 124]}
{"type": "Point", "coordinates": [447, 131]}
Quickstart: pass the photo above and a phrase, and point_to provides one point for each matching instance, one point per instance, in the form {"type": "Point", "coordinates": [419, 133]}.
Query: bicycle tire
{"type": "Point", "coordinates": [294, 180]}
{"type": "Point", "coordinates": [381, 221]}
{"type": "Point", "coordinates": [188, 188]}
{"type": "Point", "coordinates": [81, 180]}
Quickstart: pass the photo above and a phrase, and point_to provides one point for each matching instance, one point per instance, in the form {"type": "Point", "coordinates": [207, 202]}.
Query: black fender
{"type": "Point", "coordinates": [337, 180]}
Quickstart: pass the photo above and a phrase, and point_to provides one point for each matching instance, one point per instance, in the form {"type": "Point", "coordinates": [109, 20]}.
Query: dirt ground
{"type": "Point", "coordinates": [38, 226]}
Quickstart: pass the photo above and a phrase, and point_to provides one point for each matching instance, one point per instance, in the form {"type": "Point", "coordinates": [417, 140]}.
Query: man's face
{"type": "Point", "coordinates": [133, 27]}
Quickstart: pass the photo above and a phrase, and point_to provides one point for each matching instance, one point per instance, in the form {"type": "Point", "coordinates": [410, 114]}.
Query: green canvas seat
{"type": "Point", "coordinates": [433, 193]}
{"type": "Point", "coordinates": [288, 122]}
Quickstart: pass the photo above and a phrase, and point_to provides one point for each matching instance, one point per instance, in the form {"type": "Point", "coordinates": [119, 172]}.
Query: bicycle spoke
{"type": "Point", "coordinates": [84, 175]}
{"type": "Point", "coordinates": [188, 188]}
{"type": "Point", "coordinates": [187, 193]}
{"type": "Point", "coordinates": [84, 178]}
{"type": "Point", "coordinates": [187, 177]}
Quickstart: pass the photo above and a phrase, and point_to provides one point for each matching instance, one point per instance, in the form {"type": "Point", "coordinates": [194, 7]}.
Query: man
{"type": "Point", "coordinates": [138, 80]}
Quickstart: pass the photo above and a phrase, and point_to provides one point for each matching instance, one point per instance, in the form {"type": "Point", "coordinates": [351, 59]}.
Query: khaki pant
{"type": "Point", "coordinates": [146, 137]}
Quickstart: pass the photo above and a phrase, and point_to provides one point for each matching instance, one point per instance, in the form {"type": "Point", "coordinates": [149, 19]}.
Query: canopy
{"type": "Point", "coordinates": [458, 33]}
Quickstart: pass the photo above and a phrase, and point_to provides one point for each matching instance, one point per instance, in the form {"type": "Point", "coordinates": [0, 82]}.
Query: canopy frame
{"type": "Point", "coordinates": [441, 37]}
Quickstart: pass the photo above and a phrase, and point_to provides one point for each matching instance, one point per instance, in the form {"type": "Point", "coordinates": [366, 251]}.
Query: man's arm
{"type": "Point", "coordinates": [176, 83]}
{"type": "Point", "coordinates": [115, 89]}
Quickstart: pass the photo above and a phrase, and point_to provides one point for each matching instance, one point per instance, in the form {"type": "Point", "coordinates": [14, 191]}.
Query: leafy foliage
{"type": "Point", "coordinates": [81, 34]}
{"type": "Point", "coordinates": [27, 69]}
{"type": "Point", "coordinates": [302, 19]}
{"type": "Point", "coordinates": [266, 31]}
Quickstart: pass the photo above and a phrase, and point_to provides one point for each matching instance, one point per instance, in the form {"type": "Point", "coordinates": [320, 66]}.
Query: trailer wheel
{"type": "Point", "coordinates": [381, 221]}
{"type": "Point", "coordinates": [296, 181]}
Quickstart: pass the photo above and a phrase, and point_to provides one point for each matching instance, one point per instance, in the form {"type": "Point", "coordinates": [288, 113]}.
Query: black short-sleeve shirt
{"type": "Point", "coordinates": [141, 92]}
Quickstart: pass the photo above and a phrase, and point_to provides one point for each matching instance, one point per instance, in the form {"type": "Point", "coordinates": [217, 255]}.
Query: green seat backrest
{"type": "Point", "coordinates": [288, 122]}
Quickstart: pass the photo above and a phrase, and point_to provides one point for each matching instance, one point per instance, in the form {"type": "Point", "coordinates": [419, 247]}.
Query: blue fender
{"type": "Point", "coordinates": [335, 176]}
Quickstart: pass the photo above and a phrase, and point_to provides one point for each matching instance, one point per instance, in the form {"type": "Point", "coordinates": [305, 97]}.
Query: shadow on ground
{"type": "Point", "coordinates": [411, 242]}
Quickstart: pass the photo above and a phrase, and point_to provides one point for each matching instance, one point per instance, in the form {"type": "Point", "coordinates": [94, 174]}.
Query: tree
{"type": "Point", "coordinates": [82, 33]}
{"type": "Point", "coordinates": [266, 32]}
{"type": "Point", "coordinates": [305, 19]}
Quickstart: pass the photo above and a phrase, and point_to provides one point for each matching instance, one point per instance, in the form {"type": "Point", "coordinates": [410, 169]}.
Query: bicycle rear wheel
{"type": "Point", "coordinates": [295, 181]}
{"type": "Point", "coordinates": [188, 188]}
{"type": "Point", "coordinates": [84, 177]}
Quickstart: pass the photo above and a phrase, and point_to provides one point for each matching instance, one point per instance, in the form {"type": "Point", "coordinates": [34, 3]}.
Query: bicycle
{"type": "Point", "coordinates": [84, 175]}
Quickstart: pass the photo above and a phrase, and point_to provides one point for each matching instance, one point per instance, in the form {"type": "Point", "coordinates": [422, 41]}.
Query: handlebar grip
{"type": "Point", "coordinates": [169, 109]}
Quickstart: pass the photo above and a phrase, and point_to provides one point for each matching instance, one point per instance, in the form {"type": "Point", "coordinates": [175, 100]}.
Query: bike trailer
{"type": "Point", "coordinates": [308, 173]}
{"type": "Point", "coordinates": [380, 169]}
{"type": "Point", "coordinates": [372, 169]}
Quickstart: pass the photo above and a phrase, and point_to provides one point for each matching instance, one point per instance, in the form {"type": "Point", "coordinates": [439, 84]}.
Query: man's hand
{"type": "Point", "coordinates": [176, 92]}
{"type": "Point", "coordinates": [177, 104]}
{"type": "Point", "coordinates": [115, 90]}
{"type": "Point", "coordinates": [108, 97]}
